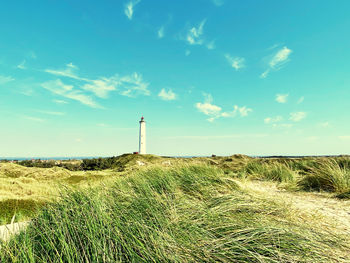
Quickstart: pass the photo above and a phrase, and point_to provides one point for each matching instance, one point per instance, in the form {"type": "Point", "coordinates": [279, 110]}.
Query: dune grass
{"type": "Point", "coordinates": [20, 186]}
{"type": "Point", "coordinates": [271, 171]}
{"type": "Point", "coordinates": [327, 175]}
{"type": "Point", "coordinates": [181, 214]}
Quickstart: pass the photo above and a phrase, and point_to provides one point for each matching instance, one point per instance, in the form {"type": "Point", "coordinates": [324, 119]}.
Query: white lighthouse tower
{"type": "Point", "coordinates": [142, 139]}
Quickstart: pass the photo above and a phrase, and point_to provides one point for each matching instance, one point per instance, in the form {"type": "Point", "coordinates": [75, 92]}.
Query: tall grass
{"type": "Point", "coordinates": [273, 171]}
{"type": "Point", "coordinates": [327, 175]}
{"type": "Point", "coordinates": [188, 214]}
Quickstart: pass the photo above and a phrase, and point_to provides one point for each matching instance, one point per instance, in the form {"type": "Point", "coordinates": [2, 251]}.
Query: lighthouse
{"type": "Point", "coordinates": [142, 138]}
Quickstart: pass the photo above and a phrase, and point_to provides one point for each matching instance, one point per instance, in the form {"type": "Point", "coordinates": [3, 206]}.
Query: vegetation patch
{"type": "Point", "coordinates": [183, 214]}
{"type": "Point", "coordinates": [275, 171]}
{"type": "Point", "coordinates": [328, 175]}
{"type": "Point", "coordinates": [22, 209]}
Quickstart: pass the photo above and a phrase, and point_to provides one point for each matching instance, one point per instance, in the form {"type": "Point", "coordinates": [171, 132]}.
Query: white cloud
{"type": "Point", "coordinates": [214, 111]}
{"type": "Point", "coordinates": [167, 95]}
{"type": "Point", "coordinates": [101, 87]}
{"type": "Point", "coordinates": [208, 108]}
{"type": "Point", "coordinates": [324, 124]}
{"type": "Point", "coordinates": [265, 74]}
{"type": "Point", "coordinates": [22, 65]}
{"type": "Point", "coordinates": [55, 113]}
{"type": "Point", "coordinates": [59, 88]}
{"type": "Point", "coordinates": [194, 35]}
{"type": "Point", "coordinates": [71, 65]}
{"type": "Point", "coordinates": [60, 101]}
{"type": "Point", "coordinates": [218, 2]}
{"type": "Point", "coordinates": [30, 118]}
{"type": "Point", "coordinates": [282, 98]}
{"type": "Point", "coordinates": [128, 85]}
{"type": "Point", "coordinates": [5, 79]}
{"type": "Point", "coordinates": [133, 85]}
{"type": "Point", "coordinates": [68, 72]}
{"type": "Point", "coordinates": [161, 32]}
{"type": "Point", "coordinates": [243, 111]}
{"type": "Point", "coordinates": [211, 45]}
{"type": "Point", "coordinates": [277, 61]}
{"type": "Point", "coordinates": [129, 8]}
{"type": "Point", "coordinates": [269, 120]}
{"type": "Point", "coordinates": [300, 100]}
{"type": "Point", "coordinates": [27, 92]}
{"type": "Point", "coordinates": [280, 58]}
{"type": "Point", "coordinates": [297, 116]}
{"type": "Point", "coordinates": [235, 62]}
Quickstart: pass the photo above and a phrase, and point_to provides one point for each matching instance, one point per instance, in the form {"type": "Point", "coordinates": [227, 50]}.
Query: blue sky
{"type": "Point", "coordinates": [209, 76]}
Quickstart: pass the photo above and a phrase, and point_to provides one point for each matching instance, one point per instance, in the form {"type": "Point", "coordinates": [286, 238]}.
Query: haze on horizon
{"type": "Point", "coordinates": [209, 76]}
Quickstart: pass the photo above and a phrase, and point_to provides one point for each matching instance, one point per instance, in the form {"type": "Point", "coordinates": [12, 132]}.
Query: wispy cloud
{"type": "Point", "coordinates": [60, 101]}
{"type": "Point", "coordinates": [22, 65]}
{"type": "Point", "coordinates": [31, 118]}
{"type": "Point", "coordinates": [27, 92]}
{"type": "Point", "coordinates": [277, 61]}
{"type": "Point", "coordinates": [133, 85]}
{"type": "Point", "coordinates": [214, 111]}
{"type": "Point", "coordinates": [55, 113]}
{"type": "Point", "coordinates": [242, 111]}
{"type": "Point", "coordinates": [208, 109]}
{"type": "Point", "coordinates": [161, 32]}
{"type": "Point", "coordinates": [235, 62]}
{"type": "Point", "coordinates": [128, 85]}
{"type": "Point", "coordinates": [282, 98]}
{"type": "Point", "coordinates": [300, 100]}
{"type": "Point", "coordinates": [218, 2]}
{"type": "Point", "coordinates": [68, 72]}
{"type": "Point", "coordinates": [211, 45]}
{"type": "Point", "coordinates": [265, 74]}
{"type": "Point", "coordinates": [269, 120]}
{"type": "Point", "coordinates": [5, 79]}
{"type": "Point", "coordinates": [59, 88]}
{"type": "Point", "coordinates": [129, 8]}
{"type": "Point", "coordinates": [101, 87]}
{"type": "Point", "coordinates": [167, 94]}
{"type": "Point", "coordinates": [281, 57]}
{"type": "Point", "coordinates": [297, 116]}
{"type": "Point", "coordinates": [194, 35]}
{"type": "Point", "coordinates": [325, 124]}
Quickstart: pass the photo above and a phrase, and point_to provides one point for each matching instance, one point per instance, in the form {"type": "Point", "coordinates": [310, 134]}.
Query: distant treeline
{"type": "Point", "coordinates": [84, 165]}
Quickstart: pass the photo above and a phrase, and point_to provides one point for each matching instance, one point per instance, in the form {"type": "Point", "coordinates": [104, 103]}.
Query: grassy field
{"type": "Point", "coordinates": [155, 209]}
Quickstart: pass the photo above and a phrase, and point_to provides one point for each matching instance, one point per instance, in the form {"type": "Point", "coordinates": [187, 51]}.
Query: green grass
{"type": "Point", "coordinates": [273, 171]}
{"type": "Point", "coordinates": [327, 175]}
{"type": "Point", "coordinates": [22, 209]}
{"type": "Point", "coordinates": [182, 214]}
